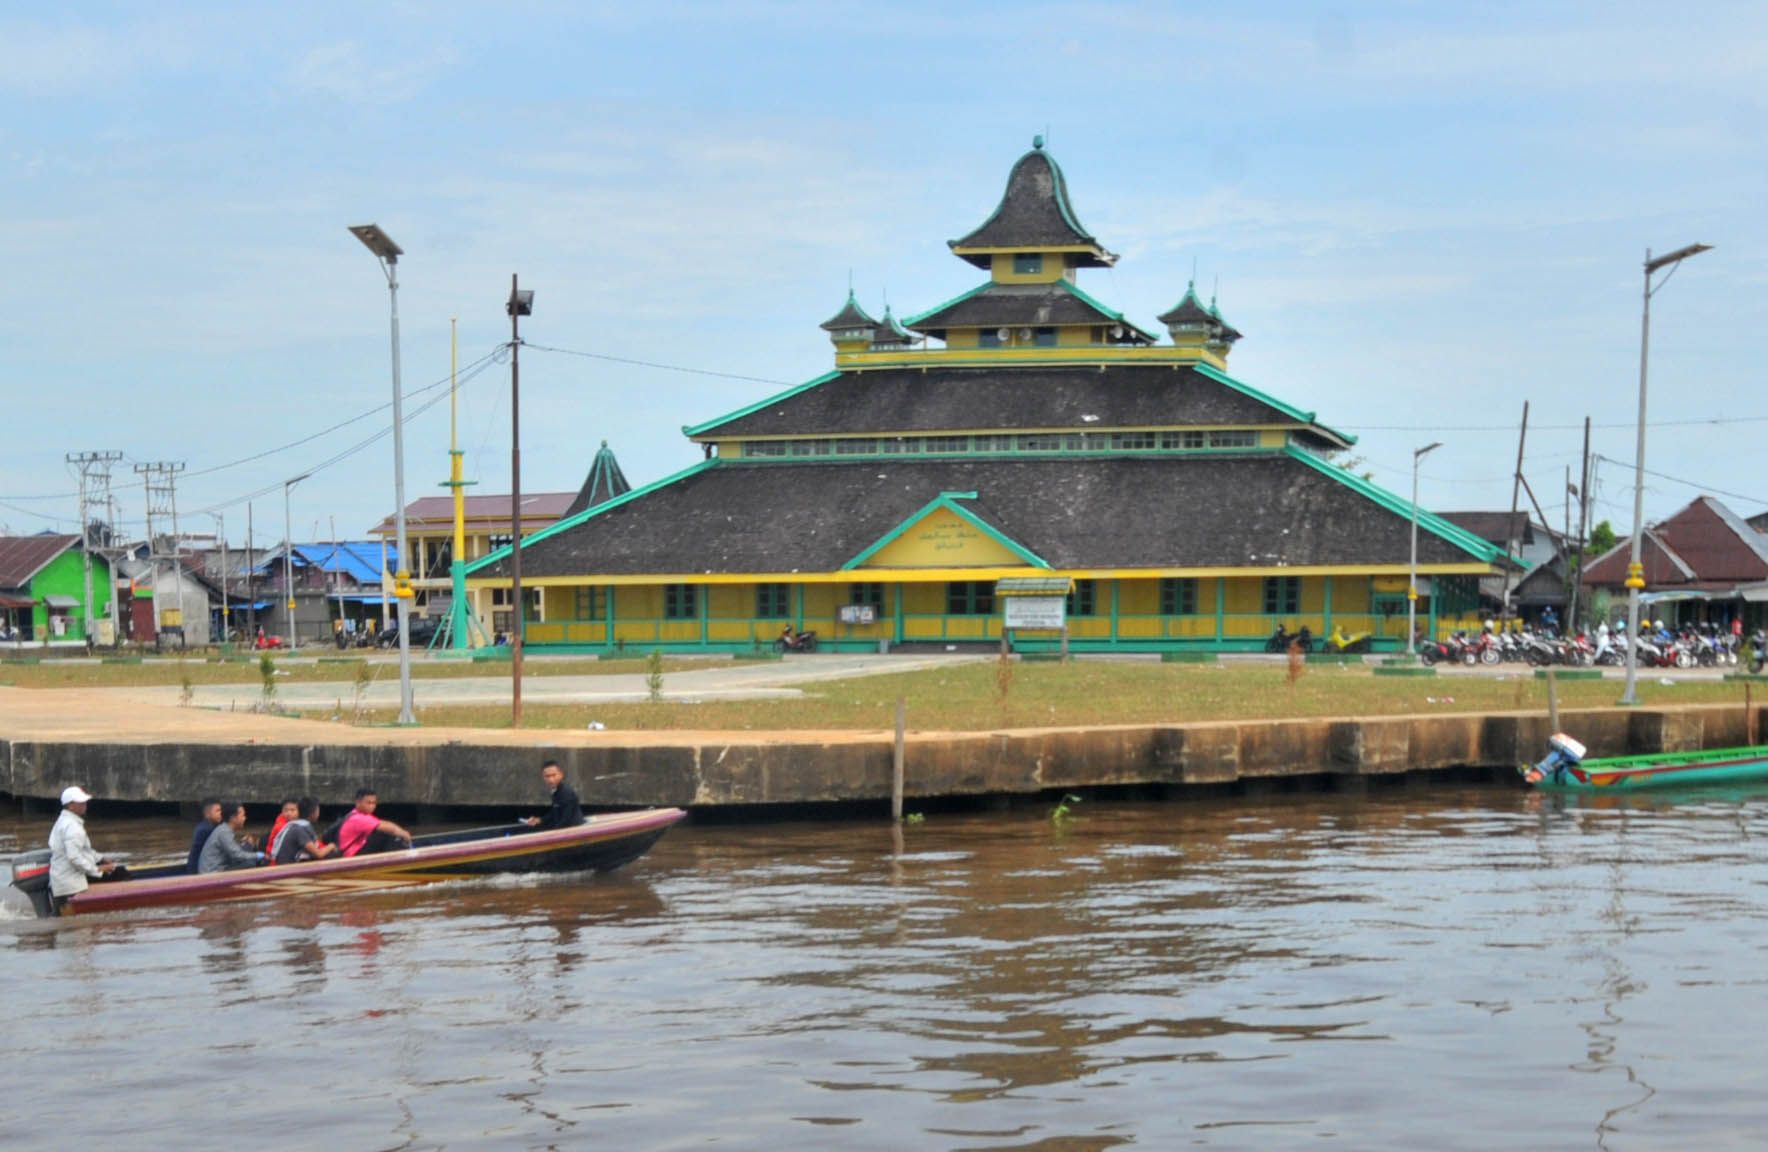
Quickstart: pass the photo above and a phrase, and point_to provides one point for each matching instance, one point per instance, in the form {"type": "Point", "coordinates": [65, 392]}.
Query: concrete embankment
{"type": "Point", "coordinates": [461, 767]}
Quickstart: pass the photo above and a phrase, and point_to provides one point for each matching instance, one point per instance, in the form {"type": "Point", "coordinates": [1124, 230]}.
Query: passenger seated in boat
{"type": "Point", "coordinates": [362, 831]}
{"type": "Point", "coordinates": [299, 840]}
{"type": "Point", "coordinates": [205, 827]}
{"type": "Point", "coordinates": [290, 811]}
{"type": "Point", "coordinates": [565, 812]}
{"type": "Point", "coordinates": [224, 852]}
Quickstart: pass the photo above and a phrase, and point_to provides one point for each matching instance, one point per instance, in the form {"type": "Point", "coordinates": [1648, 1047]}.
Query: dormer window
{"type": "Point", "coordinates": [1028, 263]}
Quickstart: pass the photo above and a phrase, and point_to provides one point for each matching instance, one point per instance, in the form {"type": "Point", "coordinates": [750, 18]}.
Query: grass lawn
{"type": "Point", "coordinates": [170, 671]}
{"type": "Point", "coordinates": [974, 697]}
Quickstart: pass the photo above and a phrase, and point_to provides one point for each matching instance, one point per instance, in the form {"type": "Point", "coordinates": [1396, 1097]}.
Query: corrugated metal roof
{"type": "Point", "coordinates": [22, 557]}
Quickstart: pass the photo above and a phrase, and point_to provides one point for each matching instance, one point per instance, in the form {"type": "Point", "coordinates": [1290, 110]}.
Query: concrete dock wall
{"type": "Point", "coordinates": [656, 770]}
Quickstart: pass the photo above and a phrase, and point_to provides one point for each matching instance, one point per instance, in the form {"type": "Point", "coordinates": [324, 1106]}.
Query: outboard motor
{"type": "Point", "coordinates": [1562, 753]}
{"type": "Point", "coordinates": [30, 875]}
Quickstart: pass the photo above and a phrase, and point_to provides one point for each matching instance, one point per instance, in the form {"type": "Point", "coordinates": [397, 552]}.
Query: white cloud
{"type": "Point", "coordinates": [343, 71]}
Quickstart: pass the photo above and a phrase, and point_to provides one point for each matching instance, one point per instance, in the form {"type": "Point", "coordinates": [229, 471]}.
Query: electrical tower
{"type": "Point", "coordinates": [94, 489]}
{"type": "Point", "coordinates": [161, 481]}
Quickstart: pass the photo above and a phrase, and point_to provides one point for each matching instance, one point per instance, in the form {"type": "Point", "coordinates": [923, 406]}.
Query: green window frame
{"type": "Point", "coordinates": [1282, 595]}
{"type": "Point", "coordinates": [1083, 598]}
{"type": "Point", "coordinates": [1178, 596]}
{"type": "Point", "coordinates": [681, 602]}
{"type": "Point", "coordinates": [1044, 337]}
{"type": "Point", "coordinates": [867, 593]}
{"type": "Point", "coordinates": [773, 601]}
{"type": "Point", "coordinates": [1028, 263]}
{"type": "Point", "coordinates": [588, 603]}
{"type": "Point", "coordinates": [970, 598]}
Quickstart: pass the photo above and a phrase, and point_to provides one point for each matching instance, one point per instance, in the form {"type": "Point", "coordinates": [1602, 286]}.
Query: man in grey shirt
{"type": "Point", "coordinates": [223, 851]}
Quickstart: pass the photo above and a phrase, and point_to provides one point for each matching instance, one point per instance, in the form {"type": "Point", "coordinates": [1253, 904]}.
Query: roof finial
{"type": "Point", "coordinates": [1214, 290]}
{"type": "Point", "coordinates": [1037, 142]}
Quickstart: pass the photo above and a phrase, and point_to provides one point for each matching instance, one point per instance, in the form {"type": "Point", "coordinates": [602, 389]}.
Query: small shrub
{"type": "Point", "coordinates": [186, 687]}
{"type": "Point", "coordinates": [267, 678]}
{"type": "Point", "coordinates": [654, 675]}
{"type": "Point", "coordinates": [1064, 809]}
{"type": "Point", "coordinates": [1003, 676]}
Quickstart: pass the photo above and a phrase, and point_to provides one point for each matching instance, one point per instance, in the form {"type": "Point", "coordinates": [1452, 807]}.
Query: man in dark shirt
{"type": "Point", "coordinates": [199, 836]}
{"type": "Point", "coordinates": [565, 812]}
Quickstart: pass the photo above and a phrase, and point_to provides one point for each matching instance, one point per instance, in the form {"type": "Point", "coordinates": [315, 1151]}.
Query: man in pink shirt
{"type": "Point", "coordinates": [362, 831]}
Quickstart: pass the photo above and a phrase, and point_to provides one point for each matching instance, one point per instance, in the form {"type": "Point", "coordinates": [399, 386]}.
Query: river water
{"type": "Point", "coordinates": [1442, 966]}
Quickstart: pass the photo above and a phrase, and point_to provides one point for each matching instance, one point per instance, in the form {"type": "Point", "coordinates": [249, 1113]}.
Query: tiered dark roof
{"type": "Point", "coordinates": [604, 482]}
{"type": "Point", "coordinates": [1012, 305]}
{"type": "Point", "coordinates": [729, 519]}
{"type": "Point", "coordinates": [1034, 214]}
{"type": "Point", "coordinates": [1188, 311]}
{"type": "Point", "coordinates": [850, 316]}
{"type": "Point", "coordinates": [890, 334]}
{"type": "Point", "coordinates": [1079, 397]}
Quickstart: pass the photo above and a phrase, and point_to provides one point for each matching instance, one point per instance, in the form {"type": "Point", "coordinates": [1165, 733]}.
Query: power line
{"type": "Point", "coordinates": [1710, 421]}
{"type": "Point", "coordinates": [1685, 483]}
{"type": "Point", "coordinates": [657, 364]}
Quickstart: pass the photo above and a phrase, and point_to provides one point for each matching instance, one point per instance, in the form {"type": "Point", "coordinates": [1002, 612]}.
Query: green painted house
{"type": "Point", "coordinates": [43, 589]}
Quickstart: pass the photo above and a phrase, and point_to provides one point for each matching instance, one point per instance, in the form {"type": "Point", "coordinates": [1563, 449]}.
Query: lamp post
{"type": "Point", "coordinates": [388, 254]}
{"type": "Point", "coordinates": [1412, 581]}
{"type": "Point", "coordinates": [288, 552]}
{"type": "Point", "coordinates": [520, 304]}
{"type": "Point", "coordinates": [1635, 569]}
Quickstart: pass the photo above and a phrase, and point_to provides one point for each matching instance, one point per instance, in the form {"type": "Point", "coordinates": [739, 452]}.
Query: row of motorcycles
{"type": "Point", "coordinates": [1695, 646]}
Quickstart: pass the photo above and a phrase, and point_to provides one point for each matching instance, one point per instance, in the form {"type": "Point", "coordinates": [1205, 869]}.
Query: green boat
{"type": "Point", "coordinates": [1565, 768]}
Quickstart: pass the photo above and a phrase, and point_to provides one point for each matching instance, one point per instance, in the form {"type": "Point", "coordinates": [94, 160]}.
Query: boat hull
{"type": "Point", "coordinates": [603, 843]}
{"type": "Point", "coordinates": [1672, 770]}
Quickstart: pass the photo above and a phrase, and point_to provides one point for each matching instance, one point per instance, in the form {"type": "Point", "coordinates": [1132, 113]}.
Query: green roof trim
{"type": "Point", "coordinates": [572, 521]}
{"type": "Point", "coordinates": [911, 321]}
{"type": "Point", "coordinates": [1220, 377]}
{"type": "Point", "coordinates": [1430, 521]}
{"type": "Point", "coordinates": [948, 501]}
{"type": "Point", "coordinates": [759, 404]}
{"type": "Point", "coordinates": [1092, 302]}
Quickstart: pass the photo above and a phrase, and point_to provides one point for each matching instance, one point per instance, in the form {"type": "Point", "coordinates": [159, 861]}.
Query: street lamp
{"type": "Point", "coordinates": [288, 551]}
{"type": "Point", "coordinates": [1412, 582]}
{"type": "Point", "coordinates": [388, 254]}
{"type": "Point", "coordinates": [520, 304]}
{"type": "Point", "coordinates": [1635, 569]}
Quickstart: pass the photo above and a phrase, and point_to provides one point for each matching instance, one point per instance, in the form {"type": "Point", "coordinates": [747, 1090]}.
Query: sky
{"type": "Point", "coordinates": [1422, 219]}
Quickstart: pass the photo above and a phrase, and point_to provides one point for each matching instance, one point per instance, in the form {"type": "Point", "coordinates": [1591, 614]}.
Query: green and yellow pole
{"type": "Point", "coordinates": [457, 567]}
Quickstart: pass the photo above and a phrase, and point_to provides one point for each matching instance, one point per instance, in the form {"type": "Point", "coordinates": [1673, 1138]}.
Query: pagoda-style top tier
{"type": "Point", "coordinates": [1034, 216]}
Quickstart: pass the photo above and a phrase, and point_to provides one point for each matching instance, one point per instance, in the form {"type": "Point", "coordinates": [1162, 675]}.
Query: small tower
{"type": "Point", "coordinates": [1190, 324]}
{"type": "Point", "coordinates": [1222, 341]}
{"type": "Point", "coordinates": [891, 336]}
{"type": "Point", "coordinates": [850, 329]}
{"type": "Point", "coordinates": [604, 482]}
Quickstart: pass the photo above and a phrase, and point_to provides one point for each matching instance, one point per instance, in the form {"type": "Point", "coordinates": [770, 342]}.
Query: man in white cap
{"type": "Point", "coordinates": [72, 860]}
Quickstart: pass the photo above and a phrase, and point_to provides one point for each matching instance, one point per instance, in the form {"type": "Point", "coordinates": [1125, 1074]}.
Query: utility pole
{"type": "Point", "coordinates": [95, 470]}
{"type": "Point", "coordinates": [251, 570]}
{"type": "Point", "coordinates": [161, 481]}
{"type": "Point", "coordinates": [1577, 573]}
{"type": "Point", "coordinates": [1512, 538]}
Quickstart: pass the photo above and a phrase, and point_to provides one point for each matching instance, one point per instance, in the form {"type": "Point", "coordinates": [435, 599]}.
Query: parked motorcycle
{"type": "Point", "coordinates": [1282, 638]}
{"type": "Point", "coordinates": [790, 641]}
{"type": "Point", "coordinates": [1759, 642]}
{"type": "Point", "coordinates": [1344, 644]}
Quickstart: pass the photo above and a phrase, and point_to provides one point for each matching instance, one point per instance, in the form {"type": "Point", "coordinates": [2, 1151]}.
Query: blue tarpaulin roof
{"type": "Point", "coordinates": [360, 560]}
